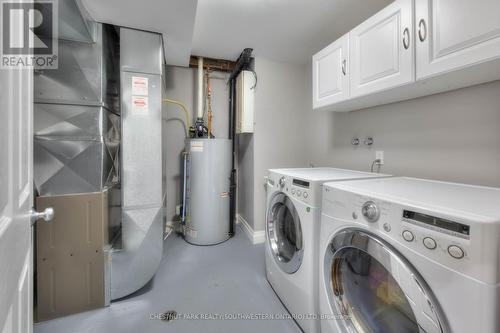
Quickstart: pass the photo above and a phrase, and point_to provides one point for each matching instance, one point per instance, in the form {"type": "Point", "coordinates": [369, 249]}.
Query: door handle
{"type": "Point", "coordinates": [406, 38]}
{"type": "Point", "coordinates": [344, 65]}
{"type": "Point", "coordinates": [47, 215]}
{"type": "Point", "coordinates": [422, 30]}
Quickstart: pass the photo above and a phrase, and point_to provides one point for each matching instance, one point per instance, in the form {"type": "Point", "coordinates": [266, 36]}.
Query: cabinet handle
{"type": "Point", "coordinates": [406, 38]}
{"type": "Point", "coordinates": [422, 30]}
{"type": "Point", "coordinates": [344, 67]}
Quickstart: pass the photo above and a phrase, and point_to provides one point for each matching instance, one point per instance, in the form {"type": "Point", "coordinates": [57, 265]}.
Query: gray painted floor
{"type": "Point", "coordinates": [224, 279]}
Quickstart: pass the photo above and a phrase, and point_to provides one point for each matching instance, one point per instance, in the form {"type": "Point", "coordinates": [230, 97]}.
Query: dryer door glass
{"type": "Point", "coordinates": [285, 233]}
{"type": "Point", "coordinates": [376, 289]}
{"type": "Point", "coordinates": [372, 297]}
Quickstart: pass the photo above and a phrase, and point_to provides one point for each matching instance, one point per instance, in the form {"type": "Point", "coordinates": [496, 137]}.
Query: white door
{"type": "Point", "coordinates": [382, 50]}
{"type": "Point", "coordinates": [452, 34]}
{"type": "Point", "coordinates": [16, 200]}
{"type": "Point", "coordinates": [331, 73]}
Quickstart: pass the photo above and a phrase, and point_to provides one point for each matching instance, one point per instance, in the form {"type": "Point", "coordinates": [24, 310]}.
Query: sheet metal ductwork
{"type": "Point", "coordinates": [136, 259]}
{"type": "Point", "coordinates": [76, 118]}
{"type": "Point", "coordinates": [98, 129]}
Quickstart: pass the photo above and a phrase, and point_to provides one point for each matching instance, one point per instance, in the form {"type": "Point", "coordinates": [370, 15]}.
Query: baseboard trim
{"type": "Point", "coordinates": [256, 237]}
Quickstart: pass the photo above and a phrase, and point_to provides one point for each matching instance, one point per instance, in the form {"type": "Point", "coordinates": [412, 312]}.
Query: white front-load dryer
{"type": "Point", "coordinates": [292, 235]}
{"type": "Point", "coordinates": [409, 255]}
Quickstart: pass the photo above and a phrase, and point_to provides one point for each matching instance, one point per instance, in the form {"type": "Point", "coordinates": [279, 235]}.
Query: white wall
{"type": "Point", "coordinates": [245, 192]}
{"type": "Point", "coordinates": [278, 140]}
{"type": "Point", "coordinates": [181, 86]}
{"type": "Point", "coordinates": [453, 136]}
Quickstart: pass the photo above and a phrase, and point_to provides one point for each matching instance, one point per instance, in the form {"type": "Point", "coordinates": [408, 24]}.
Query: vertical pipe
{"type": "Point", "coordinates": [184, 187]}
{"type": "Point", "coordinates": [200, 88]}
{"type": "Point", "coordinates": [232, 137]}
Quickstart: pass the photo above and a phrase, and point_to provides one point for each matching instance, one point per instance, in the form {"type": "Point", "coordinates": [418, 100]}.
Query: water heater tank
{"type": "Point", "coordinates": [208, 172]}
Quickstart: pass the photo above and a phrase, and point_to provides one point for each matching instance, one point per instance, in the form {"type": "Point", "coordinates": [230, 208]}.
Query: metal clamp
{"type": "Point", "coordinates": [344, 67]}
{"type": "Point", "coordinates": [422, 30]}
{"type": "Point", "coordinates": [47, 215]}
{"type": "Point", "coordinates": [406, 38]}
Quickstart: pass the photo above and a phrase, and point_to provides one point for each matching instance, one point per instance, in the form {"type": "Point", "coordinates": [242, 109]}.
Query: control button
{"type": "Point", "coordinates": [293, 191]}
{"type": "Point", "coordinates": [408, 236]}
{"type": "Point", "coordinates": [370, 211]}
{"type": "Point", "coordinates": [429, 243]}
{"type": "Point", "coordinates": [387, 227]}
{"type": "Point", "coordinates": [305, 195]}
{"type": "Point", "coordinates": [456, 252]}
{"type": "Point", "coordinates": [299, 193]}
{"type": "Point", "coordinates": [354, 215]}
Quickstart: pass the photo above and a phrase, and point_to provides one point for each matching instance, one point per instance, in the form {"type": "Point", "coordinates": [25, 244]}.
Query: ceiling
{"type": "Point", "coordinates": [173, 18]}
{"type": "Point", "coordinates": [282, 30]}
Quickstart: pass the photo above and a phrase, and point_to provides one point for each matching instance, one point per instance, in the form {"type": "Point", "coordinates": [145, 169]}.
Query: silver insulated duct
{"type": "Point", "coordinates": [135, 259]}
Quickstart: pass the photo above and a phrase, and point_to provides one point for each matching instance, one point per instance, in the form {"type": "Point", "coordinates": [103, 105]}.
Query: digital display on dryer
{"type": "Point", "coordinates": [301, 183]}
{"type": "Point", "coordinates": [437, 222]}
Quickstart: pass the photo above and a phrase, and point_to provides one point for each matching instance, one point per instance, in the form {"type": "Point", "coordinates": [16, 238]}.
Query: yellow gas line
{"type": "Point", "coordinates": [171, 101]}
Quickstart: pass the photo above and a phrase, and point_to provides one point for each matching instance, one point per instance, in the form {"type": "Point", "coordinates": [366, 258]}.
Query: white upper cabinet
{"type": "Point", "coordinates": [409, 49]}
{"type": "Point", "coordinates": [453, 34]}
{"type": "Point", "coordinates": [331, 74]}
{"type": "Point", "coordinates": [382, 50]}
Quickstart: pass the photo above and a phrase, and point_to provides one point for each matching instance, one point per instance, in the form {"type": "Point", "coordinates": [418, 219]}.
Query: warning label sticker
{"type": "Point", "coordinates": [139, 86]}
{"type": "Point", "coordinates": [196, 146]}
{"type": "Point", "coordinates": [140, 105]}
{"type": "Point", "coordinates": [224, 194]}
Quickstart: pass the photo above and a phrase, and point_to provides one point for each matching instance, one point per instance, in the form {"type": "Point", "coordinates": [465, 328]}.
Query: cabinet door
{"type": "Point", "coordinates": [382, 50]}
{"type": "Point", "coordinates": [452, 34]}
{"type": "Point", "coordinates": [331, 73]}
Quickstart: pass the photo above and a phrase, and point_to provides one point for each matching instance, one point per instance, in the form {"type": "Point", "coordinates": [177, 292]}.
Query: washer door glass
{"type": "Point", "coordinates": [285, 233]}
{"type": "Point", "coordinates": [376, 289]}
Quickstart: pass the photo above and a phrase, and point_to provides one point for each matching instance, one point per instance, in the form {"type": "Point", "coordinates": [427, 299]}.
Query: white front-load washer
{"type": "Point", "coordinates": [409, 255]}
{"type": "Point", "coordinates": [292, 235]}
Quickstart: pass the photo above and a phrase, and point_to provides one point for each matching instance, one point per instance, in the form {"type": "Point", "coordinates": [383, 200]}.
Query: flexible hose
{"type": "Point", "coordinates": [171, 101]}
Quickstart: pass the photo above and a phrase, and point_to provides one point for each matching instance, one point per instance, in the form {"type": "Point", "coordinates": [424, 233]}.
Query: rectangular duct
{"type": "Point", "coordinates": [137, 254]}
{"type": "Point", "coordinates": [88, 73]}
{"type": "Point", "coordinates": [76, 148]}
{"type": "Point", "coordinates": [76, 117]}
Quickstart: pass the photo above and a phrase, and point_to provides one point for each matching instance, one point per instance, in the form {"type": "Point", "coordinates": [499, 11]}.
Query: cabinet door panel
{"type": "Point", "coordinates": [381, 50]}
{"type": "Point", "coordinates": [330, 74]}
{"type": "Point", "coordinates": [453, 34]}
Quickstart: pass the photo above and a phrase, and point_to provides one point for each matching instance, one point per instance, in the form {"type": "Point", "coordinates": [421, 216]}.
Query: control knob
{"type": "Point", "coordinates": [282, 182]}
{"type": "Point", "coordinates": [370, 211]}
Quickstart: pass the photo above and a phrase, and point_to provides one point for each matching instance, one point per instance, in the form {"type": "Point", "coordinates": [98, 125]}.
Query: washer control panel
{"type": "Point", "coordinates": [297, 188]}
{"type": "Point", "coordinates": [300, 189]}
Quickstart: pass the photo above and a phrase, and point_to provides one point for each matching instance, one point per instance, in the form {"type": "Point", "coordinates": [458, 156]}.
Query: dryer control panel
{"type": "Point", "coordinates": [461, 241]}
{"type": "Point", "coordinates": [437, 224]}
{"type": "Point", "coordinates": [431, 239]}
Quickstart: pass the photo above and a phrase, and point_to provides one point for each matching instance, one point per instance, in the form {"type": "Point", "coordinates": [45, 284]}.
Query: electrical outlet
{"type": "Point", "coordinates": [379, 155]}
